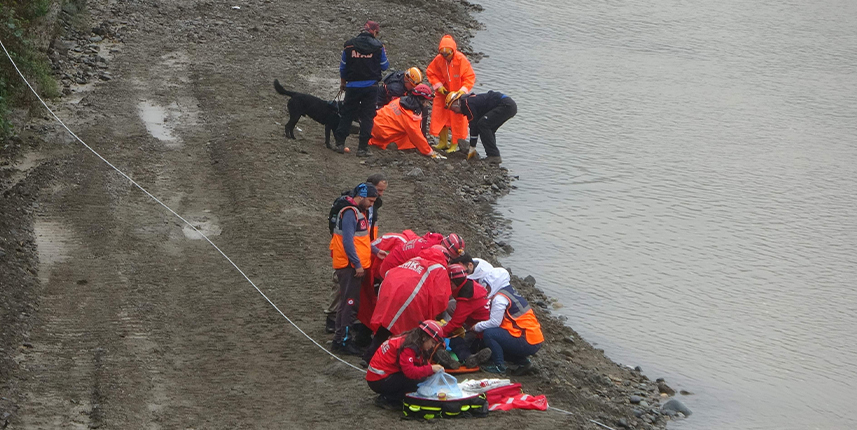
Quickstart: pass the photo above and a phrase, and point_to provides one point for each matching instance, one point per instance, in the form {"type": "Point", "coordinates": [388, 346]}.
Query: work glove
{"type": "Point", "coordinates": [459, 332]}
{"type": "Point", "coordinates": [442, 91]}
{"type": "Point", "coordinates": [435, 155]}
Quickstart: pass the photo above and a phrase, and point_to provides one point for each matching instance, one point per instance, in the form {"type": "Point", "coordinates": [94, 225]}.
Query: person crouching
{"type": "Point", "coordinates": [402, 362]}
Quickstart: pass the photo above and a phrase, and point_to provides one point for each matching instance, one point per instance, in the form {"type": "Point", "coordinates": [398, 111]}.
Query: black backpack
{"type": "Point", "coordinates": [340, 203]}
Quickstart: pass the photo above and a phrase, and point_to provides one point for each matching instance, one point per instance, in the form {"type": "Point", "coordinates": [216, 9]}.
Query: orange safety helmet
{"type": "Point", "coordinates": [414, 76]}
{"type": "Point", "coordinates": [446, 52]}
{"type": "Point", "coordinates": [452, 97]}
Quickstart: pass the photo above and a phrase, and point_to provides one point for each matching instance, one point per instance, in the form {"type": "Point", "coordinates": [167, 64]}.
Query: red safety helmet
{"type": "Point", "coordinates": [432, 328]}
{"type": "Point", "coordinates": [443, 250]}
{"type": "Point", "coordinates": [422, 91]}
{"type": "Point", "coordinates": [457, 274]}
{"type": "Point", "coordinates": [454, 244]}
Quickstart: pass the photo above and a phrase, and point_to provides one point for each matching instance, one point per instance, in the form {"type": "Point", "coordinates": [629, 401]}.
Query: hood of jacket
{"type": "Point", "coordinates": [433, 255]}
{"type": "Point", "coordinates": [481, 270]}
{"type": "Point", "coordinates": [496, 279]}
{"type": "Point", "coordinates": [412, 104]}
{"type": "Point", "coordinates": [365, 43]}
{"type": "Point", "coordinates": [447, 42]}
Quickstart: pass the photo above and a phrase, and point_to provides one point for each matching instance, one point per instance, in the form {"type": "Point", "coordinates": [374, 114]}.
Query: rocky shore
{"type": "Point", "coordinates": [111, 317]}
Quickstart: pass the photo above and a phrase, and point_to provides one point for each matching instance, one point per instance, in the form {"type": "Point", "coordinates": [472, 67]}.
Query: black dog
{"type": "Point", "coordinates": [321, 111]}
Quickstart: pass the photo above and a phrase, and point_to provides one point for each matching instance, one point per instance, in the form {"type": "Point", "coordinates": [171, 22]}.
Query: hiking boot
{"type": "Point", "coordinates": [494, 159]}
{"type": "Point", "coordinates": [346, 348]}
{"type": "Point", "coordinates": [494, 368]}
{"type": "Point", "coordinates": [525, 368]}
{"type": "Point", "coordinates": [364, 364]}
{"type": "Point", "coordinates": [472, 154]}
{"type": "Point", "coordinates": [329, 325]}
{"type": "Point", "coordinates": [476, 359]}
{"type": "Point", "coordinates": [330, 145]}
{"type": "Point", "coordinates": [364, 153]}
{"type": "Point", "coordinates": [385, 403]}
{"type": "Point", "coordinates": [444, 359]}
{"type": "Point", "coordinates": [340, 148]}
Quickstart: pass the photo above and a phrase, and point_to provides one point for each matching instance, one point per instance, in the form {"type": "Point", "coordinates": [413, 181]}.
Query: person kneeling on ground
{"type": "Point", "coordinates": [471, 307]}
{"type": "Point", "coordinates": [401, 120]}
{"type": "Point", "coordinates": [513, 333]}
{"type": "Point", "coordinates": [485, 113]}
{"type": "Point", "coordinates": [402, 362]}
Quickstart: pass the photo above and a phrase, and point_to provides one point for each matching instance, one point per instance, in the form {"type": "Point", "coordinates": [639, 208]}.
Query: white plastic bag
{"type": "Point", "coordinates": [440, 383]}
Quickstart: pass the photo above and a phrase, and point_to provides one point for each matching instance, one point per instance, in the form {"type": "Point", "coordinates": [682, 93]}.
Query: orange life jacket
{"type": "Point", "coordinates": [362, 242]}
{"type": "Point", "coordinates": [520, 318]}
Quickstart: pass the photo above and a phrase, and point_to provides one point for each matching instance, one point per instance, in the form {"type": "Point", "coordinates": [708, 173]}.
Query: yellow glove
{"type": "Point", "coordinates": [437, 156]}
{"type": "Point", "coordinates": [459, 332]}
{"type": "Point", "coordinates": [442, 91]}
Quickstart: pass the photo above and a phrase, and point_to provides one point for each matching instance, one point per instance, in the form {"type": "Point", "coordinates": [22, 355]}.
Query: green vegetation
{"type": "Point", "coordinates": [18, 19]}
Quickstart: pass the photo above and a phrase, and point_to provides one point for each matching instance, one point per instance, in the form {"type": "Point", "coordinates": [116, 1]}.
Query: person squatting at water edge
{"type": "Point", "coordinates": [379, 180]}
{"type": "Point", "coordinates": [351, 250]}
{"type": "Point", "coordinates": [401, 120]}
{"type": "Point", "coordinates": [363, 60]}
{"type": "Point", "coordinates": [453, 243]}
{"type": "Point", "coordinates": [448, 72]}
{"type": "Point", "coordinates": [403, 362]}
{"type": "Point", "coordinates": [486, 113]}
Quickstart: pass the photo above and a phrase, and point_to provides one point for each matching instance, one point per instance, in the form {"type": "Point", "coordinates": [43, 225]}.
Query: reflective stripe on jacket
{"type": "Point", "coordinates": [362, 242]}
{"type": "Point", "coordinates": [520, 318]}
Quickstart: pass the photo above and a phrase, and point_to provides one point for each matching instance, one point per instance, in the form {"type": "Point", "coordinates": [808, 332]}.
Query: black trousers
{"type": "Point", "coordinates": [395, 386]}
{"type": "Point", "coordinates": [380, 336]}
{"type": "Point", "coordinates": [488, 124]}
{"type": "Point", "coordinates": [360, 103]}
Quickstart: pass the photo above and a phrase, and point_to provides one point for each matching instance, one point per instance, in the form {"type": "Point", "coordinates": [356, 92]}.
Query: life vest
{"type": "Point", "coordinates": [520, 318]}
{"type": "Point", "coordinates": [385, 362]}
{"type": "Point", "coordinates": [362, 242]}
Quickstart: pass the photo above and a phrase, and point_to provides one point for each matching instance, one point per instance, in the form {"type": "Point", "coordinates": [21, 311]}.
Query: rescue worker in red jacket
{"type": "Point", "coordinates": [512, 332]}
{"type": "Point", "coordinates": [415, 291]}
{"type": "Point", "coordinates": [471, 307]}
{"type": "Point", "coordinates": [453, 243]}
{"type": "Point", "coordinates": [448, 72]}
{"type": "Point", "coordinates": [352, 253]}
{"type": "Point", "coordinates": [402, 362]}
{"type": "Point", "coordinates": [400, 121]}
{"type": "Point", "coordinates": [368, 295]}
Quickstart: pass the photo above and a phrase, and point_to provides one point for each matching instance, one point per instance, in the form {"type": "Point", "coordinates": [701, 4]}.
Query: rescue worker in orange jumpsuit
{"type": "Point", "coordinates": [402, 362]}
{"type": "Point", "coordinates": [448, 72]}
{"type": "Point", "coordinates": [410, 293]}
{"type": "Point", "coordinates": [400, 121]}
{"type": "Point", "coordinates": [512, 332]}
{"type": "Point", "coordinates": [352, 252]}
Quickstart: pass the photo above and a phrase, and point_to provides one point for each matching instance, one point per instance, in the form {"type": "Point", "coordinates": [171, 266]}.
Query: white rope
{"type": "Point", "coordinates": [172, 212]}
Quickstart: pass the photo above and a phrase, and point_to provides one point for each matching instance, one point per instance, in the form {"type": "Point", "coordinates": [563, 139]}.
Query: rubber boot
{"type": "Point", "coordinates": [444, 139]}
{"type": "Point", "coordinates": [453, 148]}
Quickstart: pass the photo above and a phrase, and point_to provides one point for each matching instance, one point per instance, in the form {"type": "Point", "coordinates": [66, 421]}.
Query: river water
{"type": "Point", "coordinates": [689, 192]}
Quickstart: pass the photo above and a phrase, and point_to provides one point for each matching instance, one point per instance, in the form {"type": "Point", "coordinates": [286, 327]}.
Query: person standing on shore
{"type": "Point", "coordinates": [448, 72]}
{"type": "Point", "coordinates": [486, 113]}
{"type": "Point", "coordinates": [363, 60]}
{"type": "Point", "coordinates": [352, 253]}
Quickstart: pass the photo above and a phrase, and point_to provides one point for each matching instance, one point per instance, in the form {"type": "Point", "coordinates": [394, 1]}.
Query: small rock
{"type": "Point", "coordinates": [664, 388]}
{"type": "Point", "coordinates": [635, 399]}
{"type": "Point", "coordinates": [644, 404]}
{"type": "Point", "coordinates": [530, 280]}
{"type": "Point", "coordinates": [638, 413]}
{"type": "Point", "coordinates": [638, 369]}
{"type": "Point", "coordinates": [685, 393]}
{"type": "Point", "coordinates": [624, 423]}
{"type": "Point", "coordinates": [659, 380]}
{"type": "Point", "coordinates": [416, 173]}
{"type": "Point", "coordinates": [96, 39]}
{"type": "Point", "coordinates": [675, 406]}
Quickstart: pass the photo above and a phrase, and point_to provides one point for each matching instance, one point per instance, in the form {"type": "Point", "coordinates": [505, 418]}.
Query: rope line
{"type": "Point", "coordinates": [201, 234]}
{"type": "Point", "coordinates": [172, 212]}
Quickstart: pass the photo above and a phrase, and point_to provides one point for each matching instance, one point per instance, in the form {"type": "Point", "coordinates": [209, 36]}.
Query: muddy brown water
{"type": "Point", "coordinates": [688, 176]}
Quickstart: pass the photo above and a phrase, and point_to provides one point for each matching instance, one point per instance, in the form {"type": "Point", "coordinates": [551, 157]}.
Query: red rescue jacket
{"type": "Point", "coordinates": [413, 292]}
{"type": "Point", "coordinates": [408, 251]}
{"type": "Point", "coordinates": [388, 361]}
{"type": "Point", "coordinates": [468, 310]}
{"type": "Point", "coordinates": [387, 242]}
